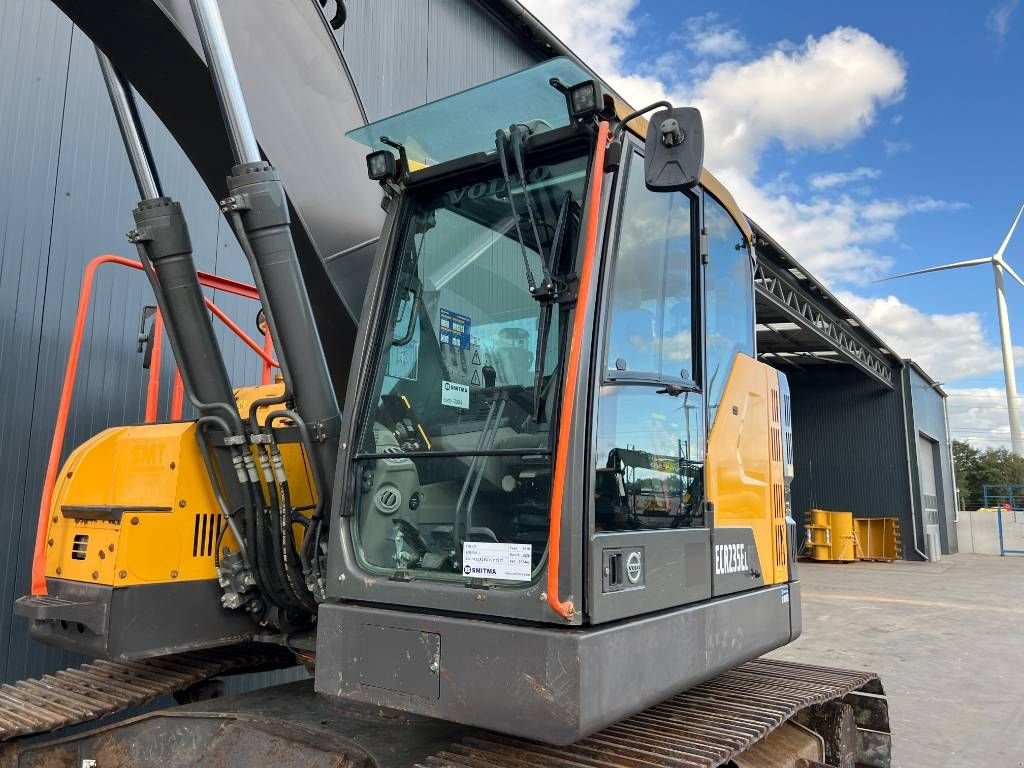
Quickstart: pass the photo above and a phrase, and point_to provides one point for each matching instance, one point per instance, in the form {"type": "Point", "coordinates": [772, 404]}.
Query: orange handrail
{"type": "Point", "coordinates": [153, 386]}
{"type": "Point", "coordinates": [267, 359]}
{"type": "Point", "coordinates": [268, 347]}
{"type": "Point", "coordinates": [565, 609]}
{"type": "Point", "coordinates": [177, 395]}
{"type": "Point", "coordinates": [63, 407]}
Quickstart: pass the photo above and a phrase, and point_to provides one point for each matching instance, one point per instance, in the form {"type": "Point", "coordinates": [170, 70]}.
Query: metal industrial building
{"type": "Point", "coordinates": [869, 428]}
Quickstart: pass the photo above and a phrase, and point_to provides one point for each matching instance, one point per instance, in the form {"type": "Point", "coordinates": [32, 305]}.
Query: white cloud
{"type": "Point", "coordinates": [841, 178]}
{"type": "Point", "coordinates": [893, 210]}
{"type": "Point", "coordinates": [706, 36]}
{"type": "Point", "coordinates": [978, 415]}
{"type": "Point", "coordinates": [950, 347]}
{"type": "Point", "coordinates": [818, 95]}
{"type": "Point", "coordinates": [998, 20]}
{"type": "Point", "coordinates": [896, 147]}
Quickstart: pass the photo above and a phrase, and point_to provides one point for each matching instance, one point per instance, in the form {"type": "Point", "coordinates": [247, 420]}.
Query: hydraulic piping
{"type": "Point", "coordinates": [257, 209]}
{"type": "Point", "coordinates": [165, 251]}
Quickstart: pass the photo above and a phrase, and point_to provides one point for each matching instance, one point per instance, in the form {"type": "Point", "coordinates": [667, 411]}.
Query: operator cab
{"type": "Point", "coordinates": [456, 414]}
{"type": "Point", "coordinates": [457, 420]}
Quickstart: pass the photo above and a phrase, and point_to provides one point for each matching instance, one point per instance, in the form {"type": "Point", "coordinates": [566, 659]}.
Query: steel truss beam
{"type": "Point", "coordinates": [776, 285]}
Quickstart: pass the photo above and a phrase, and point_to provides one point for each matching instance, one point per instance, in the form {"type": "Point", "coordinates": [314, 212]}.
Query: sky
{"type": "Point", "coordinates": [868, 138]}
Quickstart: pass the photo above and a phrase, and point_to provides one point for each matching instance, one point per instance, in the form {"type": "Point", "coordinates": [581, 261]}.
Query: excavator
{"type": "Point", "coordinates": [520, 495]}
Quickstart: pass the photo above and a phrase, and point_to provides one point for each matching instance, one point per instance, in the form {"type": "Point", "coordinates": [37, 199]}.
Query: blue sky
{"type": "Point", "coordinates": [868, 138]}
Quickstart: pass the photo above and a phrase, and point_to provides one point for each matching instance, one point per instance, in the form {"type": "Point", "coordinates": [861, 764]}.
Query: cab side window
{"type": "Point", "coordinates": [651, 297]}
{"type": "Point", "coordinates": [649, 438]}
{"type": "Point", "coordinates": [729, 300]}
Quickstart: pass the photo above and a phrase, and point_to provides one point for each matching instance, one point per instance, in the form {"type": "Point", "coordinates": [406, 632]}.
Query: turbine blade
{"type": "Point", "coordinates": [1006, 240]}
{"type": "Point", "coordinates": [954, 265]}
{"type": "Point", "coordinates": [1013, 274]}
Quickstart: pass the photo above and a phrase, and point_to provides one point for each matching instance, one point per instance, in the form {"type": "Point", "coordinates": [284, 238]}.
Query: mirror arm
{"type": "Point", "coordinates": [621, 127]}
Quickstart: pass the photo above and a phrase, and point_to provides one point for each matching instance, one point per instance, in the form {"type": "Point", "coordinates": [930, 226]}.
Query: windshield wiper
{"type": "Point", "coordinates": [546, 293]}
{"type": "Point", "coordinates": [546, 308]}
{"type": "Point", "coordinates": [518, 133]}
{"type": "Point", "coordinates": [503, 144]}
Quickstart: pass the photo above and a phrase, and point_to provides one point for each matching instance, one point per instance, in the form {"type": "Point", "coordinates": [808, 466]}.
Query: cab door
{"type": "Point", "coordinates": [649, 537]}
{"type": "Point", "coordinates": [743, 466]}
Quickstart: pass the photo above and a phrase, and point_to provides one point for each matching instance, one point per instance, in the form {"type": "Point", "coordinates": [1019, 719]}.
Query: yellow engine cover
{"type": "Point", "coordinates": [134, 505]}
{"type": "Point", "coordinates": [744, 463]}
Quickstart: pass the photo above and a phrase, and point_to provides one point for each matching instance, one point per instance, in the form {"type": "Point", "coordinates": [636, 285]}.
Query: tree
{"type": "Point", "coordinates": [977, 468]}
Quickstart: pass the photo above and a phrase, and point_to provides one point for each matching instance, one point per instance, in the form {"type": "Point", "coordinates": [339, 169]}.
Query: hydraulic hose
{"type": "Point", "coordinates": [311, 541]}
{"type": "Point", "coordinates": [286, 542]}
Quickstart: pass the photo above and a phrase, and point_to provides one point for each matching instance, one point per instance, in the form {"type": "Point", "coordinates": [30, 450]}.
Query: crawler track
{"type": "Point", "coordinates": [703, 727]}
{"type": "Point", "coordinates": [102, 688]}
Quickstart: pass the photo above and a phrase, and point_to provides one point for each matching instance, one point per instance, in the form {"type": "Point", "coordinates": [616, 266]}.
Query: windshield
{"type": "Point", "coordinates": [464, 123]}
{"type": "Point", "coordinates": [455, 449]}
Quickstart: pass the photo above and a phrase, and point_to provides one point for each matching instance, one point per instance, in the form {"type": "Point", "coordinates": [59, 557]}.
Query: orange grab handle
{"type": "Point", "coordinates": [565, 609]}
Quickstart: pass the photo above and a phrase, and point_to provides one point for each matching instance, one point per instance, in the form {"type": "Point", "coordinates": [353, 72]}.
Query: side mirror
{"type": "Point", "coordinates": [674, 154]}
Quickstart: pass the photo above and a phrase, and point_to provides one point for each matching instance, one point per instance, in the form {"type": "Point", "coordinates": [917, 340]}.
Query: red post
{"type": "Point", "coordinates": [153, 387]}
{"type": "Point", "coordinates": [177, 395]}
{"type": "Point", "coordinates": [268, 352]}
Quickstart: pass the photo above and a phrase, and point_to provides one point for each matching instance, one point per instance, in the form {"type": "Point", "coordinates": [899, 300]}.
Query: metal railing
{"type": "Point", "coordinates": [216, 282]}
{"type": "Point", "coordinates": [1005, 499]}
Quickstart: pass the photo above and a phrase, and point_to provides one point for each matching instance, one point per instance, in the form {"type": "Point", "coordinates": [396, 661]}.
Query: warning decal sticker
{"type": "Point", "coordinates": [454, 329]}
{"type": "Point", "coordinates": [491, 560]}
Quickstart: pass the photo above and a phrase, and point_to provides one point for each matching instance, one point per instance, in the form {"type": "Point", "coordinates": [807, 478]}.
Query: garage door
{"type": "Point", "coordinates": [929, 483]}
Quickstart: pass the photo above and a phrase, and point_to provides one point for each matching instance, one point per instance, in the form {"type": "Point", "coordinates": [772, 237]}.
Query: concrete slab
{"type": "Point", "coordinates": [946, 638]}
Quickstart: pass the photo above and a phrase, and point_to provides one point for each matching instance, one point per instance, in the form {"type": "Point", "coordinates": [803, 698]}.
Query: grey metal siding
{"type": "Point", "coordinates": [34, 53]}
{"type": "Point", "coordinates": [66, 195]}
{"type": "Point", "coordinates": [403, 54]}
{"type": "Point", "coordinates": [849, 447]}
{"type": "Point", "coordinates": [928, 418]}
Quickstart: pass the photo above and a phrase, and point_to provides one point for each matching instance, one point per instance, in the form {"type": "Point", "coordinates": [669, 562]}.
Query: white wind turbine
{"type": "Point", "coordinates": [1009, 374]}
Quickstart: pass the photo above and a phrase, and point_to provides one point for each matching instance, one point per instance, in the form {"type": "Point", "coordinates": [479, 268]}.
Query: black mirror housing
{"type": "Point", "coordinates": [674, 153]}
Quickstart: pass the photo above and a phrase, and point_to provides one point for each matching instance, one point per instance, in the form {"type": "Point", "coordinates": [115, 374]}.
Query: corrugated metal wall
{"type": "Point", "coordinates": [402, 54]}
{"type": "Point", "coordinates": [849, 447]}
{"type": "Point", "coordinates": [66, 194]}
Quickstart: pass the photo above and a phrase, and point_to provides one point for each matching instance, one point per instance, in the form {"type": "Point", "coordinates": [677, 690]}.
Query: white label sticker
{"type": "Point", "coordinates": [454, 394]}
{"type": "Point", "coordinates": [784, 594]}
{"type": "Point", "coordinates": [490, 560]}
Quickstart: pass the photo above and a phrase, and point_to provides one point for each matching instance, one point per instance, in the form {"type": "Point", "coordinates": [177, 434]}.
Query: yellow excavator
{"type": "Point", "coordinates": [551, 525]}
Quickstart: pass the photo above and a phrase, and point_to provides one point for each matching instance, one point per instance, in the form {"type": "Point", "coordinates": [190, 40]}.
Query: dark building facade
{"type": "Point", "coordinates": [874, 451]}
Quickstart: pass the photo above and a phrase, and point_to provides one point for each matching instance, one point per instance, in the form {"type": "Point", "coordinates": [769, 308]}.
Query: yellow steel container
{"type": "Point", "coordinates": [830, 536]}
{"type": "Point", "coordinates": [878, 538]}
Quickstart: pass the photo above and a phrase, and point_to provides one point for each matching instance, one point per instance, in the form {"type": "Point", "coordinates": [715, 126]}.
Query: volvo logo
{"type": "Point", "coordinates": [634, 567]}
